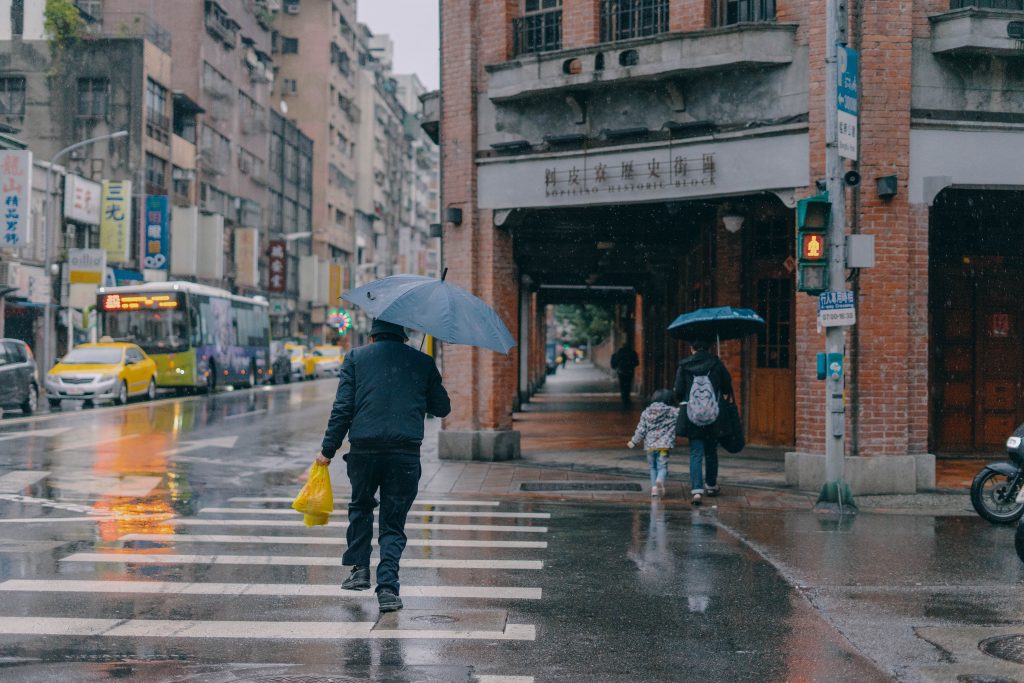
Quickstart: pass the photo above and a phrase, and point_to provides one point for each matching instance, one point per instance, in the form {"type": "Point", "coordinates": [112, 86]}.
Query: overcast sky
{"type": "Point", "coordinates": [412, 25]}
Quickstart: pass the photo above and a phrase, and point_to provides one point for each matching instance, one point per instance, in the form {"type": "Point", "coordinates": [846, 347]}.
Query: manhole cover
{"type": "Point", "coordinates": [1010, 648]}
{"type": "Point", "coordinates": [983, 678]}
{"type": "Point", "coordinates": [435, 619]}
{"type": "Point", "coordinates": [578, 486]}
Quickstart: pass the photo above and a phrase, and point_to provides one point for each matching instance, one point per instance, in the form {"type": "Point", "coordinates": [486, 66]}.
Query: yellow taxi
{"type": "Point", "coordinates": [108, 371]}
{"type": "Point", "coordinates": [324, 361]}
{"type": "Point", "coordinates": [297, 357]}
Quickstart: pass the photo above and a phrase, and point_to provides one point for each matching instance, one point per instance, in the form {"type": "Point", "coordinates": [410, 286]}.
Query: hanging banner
{"type": "Point", "coordinates": [15, 196]}
{"type": "Point", "coordinates": [157, 242]}
{"type": "Point", "coordinates": [82, 200]}
{"type": "Point", "coordinates": [247, 270]}
{"type": "Point", "coordinates": [278, 266]}
{"type": "Point", "coordinates": [116, 220]}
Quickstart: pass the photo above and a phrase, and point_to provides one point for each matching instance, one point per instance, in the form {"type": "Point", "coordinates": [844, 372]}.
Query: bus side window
{"type": "Point", "coordinates": [195, 322]}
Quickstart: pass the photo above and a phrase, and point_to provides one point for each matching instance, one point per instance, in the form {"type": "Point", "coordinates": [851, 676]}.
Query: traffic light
{"type": "Point", "coordinates": [812, 221]}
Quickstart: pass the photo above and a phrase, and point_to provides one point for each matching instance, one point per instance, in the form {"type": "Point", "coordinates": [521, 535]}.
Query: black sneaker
{"type": "Point", "coordinates": [712, 491]}
{"type": "Point", "coordinates": [388, 600]}
{"type": "Point", "coordinates": [358, 580]}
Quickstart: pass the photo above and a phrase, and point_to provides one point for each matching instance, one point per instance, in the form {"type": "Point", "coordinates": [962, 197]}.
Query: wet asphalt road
{"type": "Point", "coordinates": [153, 543]}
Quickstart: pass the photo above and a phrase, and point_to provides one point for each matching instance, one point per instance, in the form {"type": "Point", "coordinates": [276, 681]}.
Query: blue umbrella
{"type": "Point", "coordinates": [439, 308]}
{"type": "Point", "coordinates": [716, 323]}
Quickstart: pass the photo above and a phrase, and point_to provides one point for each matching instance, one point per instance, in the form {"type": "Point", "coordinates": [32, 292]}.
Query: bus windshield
{"type": "Point", "coordinates": [160, 331]}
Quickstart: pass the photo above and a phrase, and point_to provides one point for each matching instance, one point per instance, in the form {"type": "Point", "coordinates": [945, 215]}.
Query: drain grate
{"type": "Point", "coordinates": [983, 678]}
{"type": "Point", "coordinates": [578, 486]}
{"type": "Point", "coordinates": [1009, 648]}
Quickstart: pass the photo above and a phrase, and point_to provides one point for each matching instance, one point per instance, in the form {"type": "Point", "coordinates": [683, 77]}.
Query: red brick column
{"type": "Point", "coordinates": [689, 15]}
{"type": "Point", "coordinates": [580, 23]}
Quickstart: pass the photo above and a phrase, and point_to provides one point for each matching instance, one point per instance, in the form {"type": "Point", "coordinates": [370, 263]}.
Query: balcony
{"type": "Point", "coordinates": [743, 46]}
{"type": "Point", "coordinates": [537, 32]}
{"type": "Point", "coordinates": [977, 27]}
{"type": "Point", "coordinates": [431, 115]}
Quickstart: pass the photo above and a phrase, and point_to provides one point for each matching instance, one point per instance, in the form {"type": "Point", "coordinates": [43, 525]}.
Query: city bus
{"type": "Point", "coordinates": [200, 337]}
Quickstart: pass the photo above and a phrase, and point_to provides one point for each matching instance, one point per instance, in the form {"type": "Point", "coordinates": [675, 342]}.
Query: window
{"type": "Point", "coordinates": [18, 17]}
{"type": "Point", "coordinates": [290, 86]}
{"type": "Point", "coordinates": [626, 19]}
{"type": "Point", "coordinates": [93, 8]}
{"type": "Point", "coordinates": [215, 151]}
{"type": "Point", "coordinates": [12, 96]}
{"type": "Point", "coordinates": [157, 123]}
{"type": "Point", "coordinates": [289, 46]}
{"type": "Point", "coordinates": [156, 171]}
{"type": "Point", "coordinates": [540, 27]}
{"type": "Point", "coordinates": [93, 97]}
{"type": "Point", "coordinates": [728, 12]}
{"type": "Point", "coordinates": [774, 304]}
{"type": "Point", "coordinates": [987, 4]}
{"type": "Point", "coordinates": [182, 181]}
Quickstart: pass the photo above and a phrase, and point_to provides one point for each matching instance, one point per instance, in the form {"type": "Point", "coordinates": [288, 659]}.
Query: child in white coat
{"type": "Point", "coordinates": [657, 432]}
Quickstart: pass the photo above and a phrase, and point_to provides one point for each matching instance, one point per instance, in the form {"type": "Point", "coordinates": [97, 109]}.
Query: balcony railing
{"type": "Point", "coordinates": [987, 4]}
{"type": "Point", "coordinates": [539, 32]}
{"type": "Point", "coordinates": [729, 12]}
{"type": "Point", "coordinates": [626, 19]}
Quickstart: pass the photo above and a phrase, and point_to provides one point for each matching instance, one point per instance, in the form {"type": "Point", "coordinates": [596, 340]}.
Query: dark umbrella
{"type": "Point", "coordinates": [439, 308]}
{"type": "Point", "coordinates": [721, 323]}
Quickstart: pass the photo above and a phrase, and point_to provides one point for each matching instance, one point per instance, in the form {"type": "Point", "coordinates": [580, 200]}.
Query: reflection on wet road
{"type": "Point", "coordinates": [155, 542]}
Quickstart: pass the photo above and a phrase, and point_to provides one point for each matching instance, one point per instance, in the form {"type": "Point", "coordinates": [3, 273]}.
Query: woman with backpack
{"type": "Point", "coordinates": [701, 382]}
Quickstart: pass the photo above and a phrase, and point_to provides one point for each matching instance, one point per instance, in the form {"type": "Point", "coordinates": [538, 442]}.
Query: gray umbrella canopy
{"type": "Point", "coordinates": [439, 308]}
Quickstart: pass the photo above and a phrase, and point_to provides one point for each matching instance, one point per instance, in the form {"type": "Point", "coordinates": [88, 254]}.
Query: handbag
{"type": "Point", "coordinates": [730, 427]}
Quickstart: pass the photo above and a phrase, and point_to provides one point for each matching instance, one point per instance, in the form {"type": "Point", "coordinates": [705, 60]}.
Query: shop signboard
{"type": "Point", "coordinates": [156, 240]}
{"type": "Point", "coordinates": [116, 220]}
{"type": "Point", "coordinates": [278, 265]}
{"type": "Point", "coordinates": [82, 200]}
{"type": "Point", "coordinates": [16, 196]}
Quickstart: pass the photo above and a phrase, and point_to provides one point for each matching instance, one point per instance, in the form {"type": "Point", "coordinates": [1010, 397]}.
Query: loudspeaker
{"type": "Point", "coordinates": [851, 178]}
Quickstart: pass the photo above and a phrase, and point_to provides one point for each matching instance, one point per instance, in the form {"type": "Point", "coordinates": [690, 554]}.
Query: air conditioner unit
{"type": "Point", "coordinates": [9, 274]}
{"type": "Point", "coordinates": [291, 8]}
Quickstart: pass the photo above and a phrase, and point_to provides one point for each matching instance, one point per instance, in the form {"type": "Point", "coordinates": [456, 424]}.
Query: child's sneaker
{"type": "Point", "coordinates": [661, 488]}
{"type": "Point", "coordinates": [654, 491]}
{"type": "Point", "coordinates": [712, 491]}
{"type": "Point", "coordinates": [696, 499]}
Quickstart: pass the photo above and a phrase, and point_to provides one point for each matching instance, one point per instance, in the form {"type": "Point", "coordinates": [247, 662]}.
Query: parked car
{"type": "Point", "coordinates": [324, 361]}
{"type": "Point", "coordinates": [280, 363]}
{"type": "Point", "coordinates": [18, 387]}
{"type": "Point", "coordinates": [111, 371]}
{"type": "Point", "coordinates": [297, 357]}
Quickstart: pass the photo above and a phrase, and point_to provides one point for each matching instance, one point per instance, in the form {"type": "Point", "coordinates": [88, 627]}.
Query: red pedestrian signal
{"type": "Point", "coordinates": [812, 246]}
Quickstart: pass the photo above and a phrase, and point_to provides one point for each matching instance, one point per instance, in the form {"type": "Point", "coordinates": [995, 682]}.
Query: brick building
{"type": "Point", "coordinates": [592, 148]}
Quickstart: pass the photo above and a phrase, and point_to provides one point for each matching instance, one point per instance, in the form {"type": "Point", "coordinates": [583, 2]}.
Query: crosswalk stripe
{"type": "Point", "coordinates": [433, 526]}
{"type": "Point", "coordinates": [263, 589]}
{"type": "Point", "coordinates": [261, 630]}
{"type": "Point", "coordinates": [504, 679]}
{"type": "Point", "coordinates": [340, 494]}
{"type": "Point", "coordinates": [89, 520]}
{"type": "Point", "coordinates": [424, 513]}
{"type": "Point", "coordinates": [319, 540]}
{"type": "Point", "coordinates": [13, 482]}
{"type": "Point", "coordinates": [286, 561]}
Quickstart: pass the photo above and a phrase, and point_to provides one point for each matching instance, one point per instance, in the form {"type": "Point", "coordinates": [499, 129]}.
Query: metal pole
{"type": "Point", "coordinates": [835, 492]}
{"type": "Point", "coordinates": [48, 324]}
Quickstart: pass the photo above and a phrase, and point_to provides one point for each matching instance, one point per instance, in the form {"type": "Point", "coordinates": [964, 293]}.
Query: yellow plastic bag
{"type": "Point", "coordinates": [316, 499]}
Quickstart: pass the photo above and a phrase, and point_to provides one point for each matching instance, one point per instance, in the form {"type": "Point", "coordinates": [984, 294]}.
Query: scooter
{"type": "Point", "coordinates": [997, 492]}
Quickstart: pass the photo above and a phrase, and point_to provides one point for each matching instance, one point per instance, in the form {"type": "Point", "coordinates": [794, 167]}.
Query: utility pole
{"type": "Point", "coordinates": [835, 495]}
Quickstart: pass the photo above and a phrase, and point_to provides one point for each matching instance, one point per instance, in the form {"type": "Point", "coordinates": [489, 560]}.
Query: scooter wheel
{"type": "Point", "coordinates": [992, 499]}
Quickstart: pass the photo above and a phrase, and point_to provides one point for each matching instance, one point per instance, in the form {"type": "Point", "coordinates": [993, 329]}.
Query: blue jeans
{"type": "Point", "coordinates": [397, 475]}
{"type": "Point", "coordinates": [701, 451]}
{"type": "Point", "coordinates": [658, 462]}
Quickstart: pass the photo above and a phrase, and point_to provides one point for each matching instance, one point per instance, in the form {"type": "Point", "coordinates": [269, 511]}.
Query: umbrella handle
{"type": "Point", "coordinates": [444, 274]}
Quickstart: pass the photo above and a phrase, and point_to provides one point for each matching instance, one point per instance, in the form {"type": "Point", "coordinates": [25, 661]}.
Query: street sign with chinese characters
{"type": "Point", "coordinates": [277, 264]}
{"type": "Point", "coordinates": [16, 196]}
{"type": "Point", "coordinates": [837, 309]}
{"type": "Point", "coordinates": [848, 93]}
{"type": "Point", "coordinates": [157, 244]}
{"type": "Point", "coordinates": [82, 200]}
{"type": "Point", "coordinates": [663, 169]}
{"type": "Point", "coordinates": [116, 220]}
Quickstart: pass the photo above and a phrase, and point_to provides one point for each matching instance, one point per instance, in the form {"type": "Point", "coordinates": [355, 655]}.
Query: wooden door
{"type": "Point", "coordinates": [772, 418]}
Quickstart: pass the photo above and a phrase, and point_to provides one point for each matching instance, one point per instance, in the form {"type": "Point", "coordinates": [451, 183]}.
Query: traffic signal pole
{"type": "Point", "coordinates": [835, 495]}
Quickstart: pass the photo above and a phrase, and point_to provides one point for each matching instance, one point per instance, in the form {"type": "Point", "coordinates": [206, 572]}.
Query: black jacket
{"type": "Point", "coordinates": [624, 361]}
{"type": "Point", "coordinates": [700, 363]}
{"type": "Point", "coordinates": [385, 391]}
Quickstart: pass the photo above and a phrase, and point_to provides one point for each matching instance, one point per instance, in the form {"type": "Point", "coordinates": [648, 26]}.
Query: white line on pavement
{"type": "Point", "coordinates": [292, 561]}
{"type": "Point", "coordinates": [320, 540]}
{"type": "Point", "coordinates": [241, 415]}
{"type": "Point", "coordinates": [345, 494]}
{"type": "Point", "coordinates": [7, 436]}
{"type": "Point", "coordinates": [89, 520]}
{"type": "Point", "coordinates": [262, 630]}
{"type": "Point", "coordinates": [14, 482]}
{"type": "Point", "coordinates": [263, 589]}
{"type": "Point", "coordinates": [415, 513]}
{"type": "Point", "coordinates": [504, 679]}
{"type": "Point", "coordinates": [436, 526]}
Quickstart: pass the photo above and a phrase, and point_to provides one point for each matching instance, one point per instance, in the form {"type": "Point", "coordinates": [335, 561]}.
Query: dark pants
{"type": "Point", "coordinates": [625, 386]}
{"type": "Point", "coordinates": [397, 475]}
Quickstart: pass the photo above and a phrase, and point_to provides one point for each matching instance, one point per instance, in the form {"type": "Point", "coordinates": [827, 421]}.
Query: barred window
{"type": "Point", "coordinates": [12, 96]}
{"type": "Point", "coordinates": [93, 97]}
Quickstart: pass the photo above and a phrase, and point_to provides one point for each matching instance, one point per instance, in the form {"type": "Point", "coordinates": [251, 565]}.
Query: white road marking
{"type": "Point", "coordinates": [504, 679]}
{"type": "Point", "coordinates": [345, 494]}
{"type": "Point", "coordinates": [263, 589]}
{"type": "Point", "coordinates": [14, 482]}
{"type": "Point", "coordinates": [436, 526]}
{"type": "Point", "coordinates": [241, 415]}
{"type": "Point", "coordinates": [133, 487]}
{"type": "Point", "coordinates": [90, 520]}
{"type": "Point", "coordinates": [82, 446]}
{"type": "Point", "coordinates": [217, 442]}
{"type": "Point", "coordinates": [320, 540]}
{"type": "Point", "coordinates": [290, 561]}
{"type": "Point", "coordinates": [421, 513]}
{"type": "Point", "coordinates": [7, 436]}
{"type": "Point", "coordinates": [52, 504]}
{"type": "Point", "coordinates": [261, 630]}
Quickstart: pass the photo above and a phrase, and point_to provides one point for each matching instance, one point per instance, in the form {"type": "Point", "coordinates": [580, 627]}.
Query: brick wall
{"type": "Point", "coordinates": [689, 15]}
{"type": "Point", "coordinates": [580, 23]}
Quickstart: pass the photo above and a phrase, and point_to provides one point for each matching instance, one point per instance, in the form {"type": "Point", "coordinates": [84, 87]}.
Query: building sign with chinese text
{"type": "Point", "coordinates": [116, 220]}
{"type": "Point", "coordinates": [660, 171]}
{"type": "Point", "coordinates": [277, 263]}
{"type": "Point", "coordinates": [156, 239]}
{"type": "Point", "coordinates": [247, 270]}
{"type": "Point", "coordinates": [82, 200]}
{"type": "Point", "coordinates": [15, 196]}
{"type": "Point", "coordinates": [848, 93]}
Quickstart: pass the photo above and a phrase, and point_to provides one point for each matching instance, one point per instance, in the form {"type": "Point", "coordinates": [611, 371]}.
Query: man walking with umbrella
{"type": "Point", "coordinates": [385, 391]}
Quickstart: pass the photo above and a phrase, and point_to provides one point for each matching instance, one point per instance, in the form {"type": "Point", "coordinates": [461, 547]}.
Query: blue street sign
{"type": "Point", "coordinates": [848, 93]}
{"type": "Point", "coordinates": [837, 309]}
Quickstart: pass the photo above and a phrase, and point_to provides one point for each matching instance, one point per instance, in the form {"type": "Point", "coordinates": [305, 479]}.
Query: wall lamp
{"type": "Point", "coordinates": [733, 222]}
{"type": "Point", "coordinates": [453, 215]}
